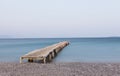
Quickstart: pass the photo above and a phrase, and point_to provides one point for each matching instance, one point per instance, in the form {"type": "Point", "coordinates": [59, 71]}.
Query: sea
{"type": "Point", "coordinates": [80, 49]}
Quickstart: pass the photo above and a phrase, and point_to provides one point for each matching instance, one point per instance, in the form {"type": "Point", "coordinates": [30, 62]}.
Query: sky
{"type": "Point", "coordinates": [59, 18]}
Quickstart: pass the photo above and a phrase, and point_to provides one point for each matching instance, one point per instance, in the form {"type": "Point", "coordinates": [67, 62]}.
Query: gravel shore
{"type": "Point", "coordinates": [60, 69]}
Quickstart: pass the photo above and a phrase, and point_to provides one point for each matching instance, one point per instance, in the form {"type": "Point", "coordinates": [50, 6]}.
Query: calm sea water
{"type": "Point", "coordinates": [79, 50]}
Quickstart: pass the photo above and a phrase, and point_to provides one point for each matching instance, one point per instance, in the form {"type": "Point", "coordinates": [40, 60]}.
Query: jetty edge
{"type": "Point", "coordinates": [44, 54]}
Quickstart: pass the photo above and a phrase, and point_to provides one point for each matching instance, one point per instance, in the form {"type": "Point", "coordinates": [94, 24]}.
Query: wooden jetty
{"type": "Point", "coordinates": [45, 54]}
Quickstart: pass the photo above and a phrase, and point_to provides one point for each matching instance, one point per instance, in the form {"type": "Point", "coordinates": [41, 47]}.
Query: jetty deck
{"type": "Point", "coordinates": [45, 54]}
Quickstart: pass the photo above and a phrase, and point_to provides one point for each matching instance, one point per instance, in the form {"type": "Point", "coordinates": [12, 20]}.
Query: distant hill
{"type": "Point", "coordinates": [6, 36]}
{"type": "Point", "coordinates": [114, 37]}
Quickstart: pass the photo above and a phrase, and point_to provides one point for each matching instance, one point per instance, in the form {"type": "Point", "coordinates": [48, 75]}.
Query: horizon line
{"type": "Point", "coordinates": [56, 37]}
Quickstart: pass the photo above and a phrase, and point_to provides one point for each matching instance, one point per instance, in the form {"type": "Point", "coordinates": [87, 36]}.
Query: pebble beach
{"type": "Point", "coordinates": [60, 69]}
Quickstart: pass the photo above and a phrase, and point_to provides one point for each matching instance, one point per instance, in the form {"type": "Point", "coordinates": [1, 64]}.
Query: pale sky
{"type": "Point", "coordinates": [59, 18]}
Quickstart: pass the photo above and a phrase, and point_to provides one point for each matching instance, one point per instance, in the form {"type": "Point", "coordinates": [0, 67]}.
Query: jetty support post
{"type": "Point", "coordinates": [55, 53]}
{"type": "Point", "coordinates": [44, 60]}
{"type": "Point", "coordinates": [50, 57]}
{"type": "Point", "coordinates": [21, 58]}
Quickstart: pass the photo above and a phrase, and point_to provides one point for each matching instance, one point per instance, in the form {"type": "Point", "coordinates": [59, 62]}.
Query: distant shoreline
{"type": "Point", "coordinates": [63, 38]}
